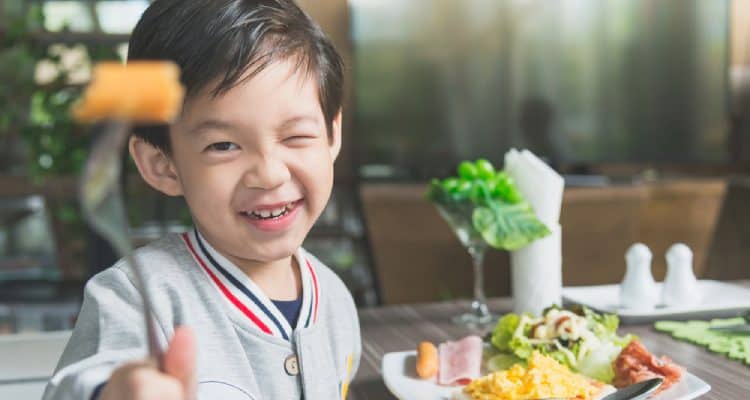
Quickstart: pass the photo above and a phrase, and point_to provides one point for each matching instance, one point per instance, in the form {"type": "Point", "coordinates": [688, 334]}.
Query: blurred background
{"type": "Point", "coordinates": [643, 106]}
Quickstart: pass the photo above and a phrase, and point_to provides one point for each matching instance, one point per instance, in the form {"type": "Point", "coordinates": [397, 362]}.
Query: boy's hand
{"type": "Point", "coordinates": [142, 381]}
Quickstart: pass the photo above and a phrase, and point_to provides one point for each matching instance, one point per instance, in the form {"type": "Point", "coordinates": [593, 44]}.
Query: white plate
{"type": "Point", "coordinates": [716, 300]}
{"type": "Point", "coordinates": [400, 378]}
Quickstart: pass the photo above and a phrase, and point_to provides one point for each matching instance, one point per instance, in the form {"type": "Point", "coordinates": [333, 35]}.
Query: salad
{"type": "Point", "coordinates": [564, 353]}
{"type": "Point", "coordinates": [582, 340]}
{"type": "Point", "coordinates": [492, 201]}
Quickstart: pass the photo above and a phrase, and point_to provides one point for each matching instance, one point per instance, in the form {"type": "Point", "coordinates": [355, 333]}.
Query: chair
{"type": "Point", "coordinates": [684, 211]}
{"type": "Point", "coordinates": [417, 256]}
{"type": "Point", "coordinates": [729, 253]}
{"type": "Point", "coordinates": [598, 226]}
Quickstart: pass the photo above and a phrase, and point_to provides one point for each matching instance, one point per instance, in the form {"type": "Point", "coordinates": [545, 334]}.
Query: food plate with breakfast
{"type": "Point", "coordinates": [400, 380]}
{"type": "Point", "coordinates": [571, 354]}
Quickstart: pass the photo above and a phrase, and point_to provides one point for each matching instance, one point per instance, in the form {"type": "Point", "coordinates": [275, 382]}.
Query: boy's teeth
{"type": "Point", "coordinates": [266, 213]}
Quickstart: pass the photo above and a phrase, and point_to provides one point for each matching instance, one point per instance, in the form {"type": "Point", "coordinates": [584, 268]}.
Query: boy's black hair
{"type": "Point", "coordinates": [230, 41]}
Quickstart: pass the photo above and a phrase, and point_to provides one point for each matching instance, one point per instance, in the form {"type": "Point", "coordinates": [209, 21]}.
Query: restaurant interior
{"type": "Point", "coordinates": [642, 108]}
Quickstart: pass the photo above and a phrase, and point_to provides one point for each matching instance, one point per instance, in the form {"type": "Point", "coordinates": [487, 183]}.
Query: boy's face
{"type": "Point", "coordinates": [256, 164]}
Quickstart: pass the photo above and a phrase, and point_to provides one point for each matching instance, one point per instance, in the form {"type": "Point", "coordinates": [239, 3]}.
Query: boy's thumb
{"type": "Point", "coordinates": [179, 360]}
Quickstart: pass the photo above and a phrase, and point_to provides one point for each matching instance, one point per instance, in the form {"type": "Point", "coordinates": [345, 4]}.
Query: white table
{"type": "Point", "coordinates": [27, 361]}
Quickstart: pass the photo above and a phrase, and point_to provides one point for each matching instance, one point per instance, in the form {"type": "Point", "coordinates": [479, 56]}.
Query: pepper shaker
{"type": "Point", "coordinates": [680, 283]}
{"type": "Point", "coordinates": [638, 289]}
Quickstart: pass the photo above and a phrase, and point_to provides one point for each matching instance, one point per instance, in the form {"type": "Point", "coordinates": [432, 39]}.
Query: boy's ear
{"type": "Point", "coordinates": [155, 167]}
{"type": "Point", "coordinates": [335, 145]}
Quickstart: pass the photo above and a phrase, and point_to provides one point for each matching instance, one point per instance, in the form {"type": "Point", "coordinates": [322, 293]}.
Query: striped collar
{"type": "Point", "coordinates": [244, 297]}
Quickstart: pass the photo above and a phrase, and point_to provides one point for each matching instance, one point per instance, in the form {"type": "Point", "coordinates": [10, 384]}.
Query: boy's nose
{"type": "Point", "coordinates": [266, 173]}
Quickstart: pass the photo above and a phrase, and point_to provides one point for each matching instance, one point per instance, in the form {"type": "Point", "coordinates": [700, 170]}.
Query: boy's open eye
{"type": "Point", "coordinates": [222, 146]}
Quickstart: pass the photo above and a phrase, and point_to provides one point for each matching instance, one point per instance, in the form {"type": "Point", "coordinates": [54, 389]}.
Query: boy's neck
{"type": "Point", "coordinates": [279, 280]}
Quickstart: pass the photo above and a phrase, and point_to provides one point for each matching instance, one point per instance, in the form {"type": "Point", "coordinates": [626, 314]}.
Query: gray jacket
{"type": "Point", "coordinates": [246, 348]}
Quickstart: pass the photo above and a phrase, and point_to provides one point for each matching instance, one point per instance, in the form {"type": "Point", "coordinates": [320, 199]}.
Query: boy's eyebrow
{"type": "Point", "coordinates": [289, 122]}
{"type": "Point", "coordinates": [209, 124]}
{"type": "Point", "coordinates": [217, 124]}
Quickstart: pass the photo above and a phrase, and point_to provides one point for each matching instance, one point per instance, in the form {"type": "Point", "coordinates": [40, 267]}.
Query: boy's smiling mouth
{"type": "Point", "coordinates": [268, 212]}
{"type": "Point", "coordinates": [272, 217]}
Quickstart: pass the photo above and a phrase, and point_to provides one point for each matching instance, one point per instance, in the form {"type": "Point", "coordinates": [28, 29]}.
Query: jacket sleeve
{"type": "Point", "coordinates": [109, 332]}
{"type": "Point", "coordinates": [357, 353]}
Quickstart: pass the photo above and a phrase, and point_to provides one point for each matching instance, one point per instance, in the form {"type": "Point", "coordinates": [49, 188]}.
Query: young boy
{"type": "Point", "coordinates": [242, 310]}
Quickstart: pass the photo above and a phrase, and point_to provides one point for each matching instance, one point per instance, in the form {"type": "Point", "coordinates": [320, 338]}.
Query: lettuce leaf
{"type": "Point", "coordinates": [503, 361]}
{"type": "Point", "coordinates": [521, 347]}
{"type": "Point", "coordinates": [492, 205]}
{"type": "Point", "coordinates": [598, 364]}
{"type": "Point", "coordinates": [503, 332]}
{"type": "Point", "coordinates": [605, 327]}
{"type": "Point", "coordinates": [601, 324]}
{"type": "Point", "coordinates": [508, 226]}
{"type": "Point", "coordinates": [507, 337]}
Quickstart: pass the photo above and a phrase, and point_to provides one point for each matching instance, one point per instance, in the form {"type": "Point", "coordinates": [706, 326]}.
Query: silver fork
{"type": "Point", "coordinates": [636, 391]}
{"type": "Point", "coordinates": [102, 204]}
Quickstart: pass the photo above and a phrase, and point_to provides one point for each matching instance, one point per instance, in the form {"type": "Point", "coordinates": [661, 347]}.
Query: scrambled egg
{"type": "Point", "coordinates": [544, 378]}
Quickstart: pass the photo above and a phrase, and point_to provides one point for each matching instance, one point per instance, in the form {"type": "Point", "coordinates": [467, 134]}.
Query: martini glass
{"type": "Point", "coordinates": [459, 218]}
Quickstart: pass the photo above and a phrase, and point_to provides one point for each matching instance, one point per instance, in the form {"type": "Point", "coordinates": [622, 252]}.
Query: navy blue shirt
{"type": "Point", "coordinates": [290, 309]}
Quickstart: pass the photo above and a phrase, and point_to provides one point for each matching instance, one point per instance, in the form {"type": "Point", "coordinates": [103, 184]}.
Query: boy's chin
{"type": "Point", "coordinates": [271, 253]}
{"type": "Point", "coordinates": [271, 257]}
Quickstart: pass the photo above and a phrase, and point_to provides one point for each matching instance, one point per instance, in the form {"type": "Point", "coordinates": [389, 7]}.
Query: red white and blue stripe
{"type": "Point", "coordinates": [245, 298]}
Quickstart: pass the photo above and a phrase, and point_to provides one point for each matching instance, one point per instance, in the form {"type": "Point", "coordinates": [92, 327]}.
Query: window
{"type": "Point", "coordinates": [576, 81]}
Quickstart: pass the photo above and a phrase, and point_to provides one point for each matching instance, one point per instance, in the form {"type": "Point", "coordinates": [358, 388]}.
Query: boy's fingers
{"type": "Point", "coordinates": [140, 380]}
{"type": "Point", "coordinates": [179, 360]}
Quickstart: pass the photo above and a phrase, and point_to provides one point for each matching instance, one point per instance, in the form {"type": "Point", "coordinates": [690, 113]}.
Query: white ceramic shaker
{"type": "Point", "coordinates": [680, 285]}
{"type": "Point", "coordinates": [638, 289]}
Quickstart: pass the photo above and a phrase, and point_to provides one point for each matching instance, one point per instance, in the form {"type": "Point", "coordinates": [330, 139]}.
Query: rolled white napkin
{"type": "Point", "coordinates": [539, 184]}
{"type": "Point", "coordinates": [536, 273]}
{"type": "Point", "coordinates": [536, 270]}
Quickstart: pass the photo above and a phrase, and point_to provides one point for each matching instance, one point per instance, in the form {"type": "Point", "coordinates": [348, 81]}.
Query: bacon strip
{"type": "Point", "coordinates": [636, 364]}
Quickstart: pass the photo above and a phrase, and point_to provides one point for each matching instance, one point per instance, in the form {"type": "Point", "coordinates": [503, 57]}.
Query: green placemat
{"type": "Point", "coordinates": [734, 345]}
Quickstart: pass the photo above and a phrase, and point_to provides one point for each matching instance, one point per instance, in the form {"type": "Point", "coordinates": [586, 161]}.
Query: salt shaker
{"type": "Point", "coordinates": [638, 289]}
{"type": "Point", "coordinates": [680, 284]}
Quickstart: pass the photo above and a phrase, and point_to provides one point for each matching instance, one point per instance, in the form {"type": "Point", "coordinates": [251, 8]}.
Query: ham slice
{"type": "Point", "coordinates": [460, 361]}
{"type": "Point", "coordinates": [636, 364]}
